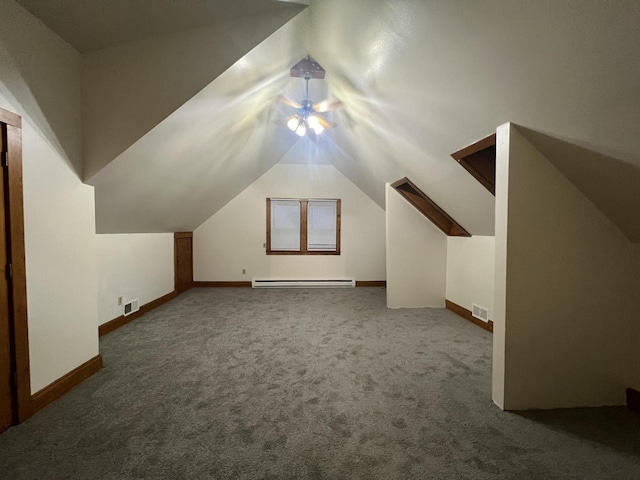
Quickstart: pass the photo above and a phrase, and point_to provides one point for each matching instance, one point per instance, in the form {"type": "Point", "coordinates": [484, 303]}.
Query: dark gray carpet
{"type": "Point", "coordinates": [317, 384]}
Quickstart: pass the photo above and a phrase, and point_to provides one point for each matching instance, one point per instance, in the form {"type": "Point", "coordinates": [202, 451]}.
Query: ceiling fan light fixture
{"type": "Point", "coordinates": [314, 124]}
{"type": "Point", "coordinates": [302, 129]}
{"type": "Point", "coordinates": [308, 115]}
{"type": "Point", "coordinates": [293, 124]}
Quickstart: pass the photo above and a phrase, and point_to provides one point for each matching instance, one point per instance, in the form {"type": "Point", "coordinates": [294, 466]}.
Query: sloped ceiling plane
{"type": "Point", "coordinates": [181, 116]}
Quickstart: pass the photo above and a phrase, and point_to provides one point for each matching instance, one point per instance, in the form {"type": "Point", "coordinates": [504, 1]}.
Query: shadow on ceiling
{"type": "Point", "coordinates": [612, 184]}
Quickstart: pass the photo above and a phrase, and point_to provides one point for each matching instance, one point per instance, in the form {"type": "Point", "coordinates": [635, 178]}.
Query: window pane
{"type": "Point", "coordinates": [321, 225]}
{"type": "Point", "coordinates": [285, 225]}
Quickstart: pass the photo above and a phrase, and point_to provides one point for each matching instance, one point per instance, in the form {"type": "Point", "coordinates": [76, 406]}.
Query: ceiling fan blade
{"type": "Point", "coordinates": [327, 105]}
{"type": "Point", "coordinates": [284, 121]}
{"type": "Point", "coordinates": [324, 122]}
{"type": "Point", "coordinates": [289, 103]}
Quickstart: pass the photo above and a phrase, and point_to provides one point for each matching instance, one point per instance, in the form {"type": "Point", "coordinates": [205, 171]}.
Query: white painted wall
{"type": "Point", "coordinates": [233, 238]}
{"type": "Point", "coordinates": [402, 115]}
{"type": "Point", "coordinates": [470, 271]}
{"type": "Point", "coordinates": [133, 266]}
{"type": "Point", "coordinates": [229, 132]}
{"type": "Point", "coordinates": [40, 80]}
{"type": "Point", "coordinates": [566, 298]}
{"type": "Point", "coordinates": [128, 89]}
{"type": "Point", "coordinates": [500, 276]}
{"type": "Point", "coordinates": [416, 256]}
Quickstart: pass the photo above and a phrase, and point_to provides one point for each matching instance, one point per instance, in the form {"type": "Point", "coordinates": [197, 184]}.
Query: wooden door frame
{"type": "Point", "coordinates": [176, 236]}
{"type": "Point", "coordinates": [18, 281]}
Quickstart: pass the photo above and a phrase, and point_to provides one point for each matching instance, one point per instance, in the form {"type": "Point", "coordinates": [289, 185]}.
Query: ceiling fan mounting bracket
{"type": "Point", "coordinates": [308, 69]}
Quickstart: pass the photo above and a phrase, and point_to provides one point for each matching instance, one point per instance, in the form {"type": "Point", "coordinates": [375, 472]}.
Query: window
{"type": "Point", "coordinates": [303, 226]}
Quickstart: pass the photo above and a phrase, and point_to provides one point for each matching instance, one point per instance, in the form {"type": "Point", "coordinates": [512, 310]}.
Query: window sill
{"type": "Point", "coordinates": [319, 252]}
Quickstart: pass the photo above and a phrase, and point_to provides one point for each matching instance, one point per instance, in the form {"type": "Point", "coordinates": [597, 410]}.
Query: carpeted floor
{"type": "Point", "coordinates": [307, 384]}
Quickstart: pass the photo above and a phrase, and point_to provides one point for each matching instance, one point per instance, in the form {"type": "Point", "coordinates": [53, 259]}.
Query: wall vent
{"type": "Point", "coordinates": [303, 283]}
{"type": "Point", "coordinates": [131, 307]}
{"type": "Point", "coordinates": [480, 313]}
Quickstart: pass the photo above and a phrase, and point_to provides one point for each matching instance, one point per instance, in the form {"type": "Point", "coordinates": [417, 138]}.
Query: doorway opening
{"type": "Point", "coordinates": [15, 383]}
{"type": "Point", "coordinates": [183, 251]}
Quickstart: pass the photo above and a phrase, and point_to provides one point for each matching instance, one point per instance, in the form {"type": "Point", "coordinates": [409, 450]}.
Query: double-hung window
{"type": "Point", "coordinates": [301, 226]}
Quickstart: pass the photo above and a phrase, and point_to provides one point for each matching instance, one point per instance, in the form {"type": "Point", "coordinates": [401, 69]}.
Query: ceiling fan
{"type": "Point", "coordinates": [309, 116]}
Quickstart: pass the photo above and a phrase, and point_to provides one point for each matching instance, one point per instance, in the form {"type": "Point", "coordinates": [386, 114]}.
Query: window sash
{"type": "Point", "coordinates": [322, 227]}
{"type": "Point", "coordinates": [318, 226]}
{"type": "Point", "coordinates": [285, 225]}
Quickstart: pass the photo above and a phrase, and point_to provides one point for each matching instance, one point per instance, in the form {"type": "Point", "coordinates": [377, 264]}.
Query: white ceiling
{"type": "Point", "coordinates": [131, 88]}
{"type": "Point", "coordinates": [422, 79]}
{"type": "Point", "coordinates": [206, 152]}
{"type": "Point", "coordinates": [90, 25]}
{"type": "Point", "coordinates": [419, 80]}
{"type": "Point", "coordinates": [611, 183]}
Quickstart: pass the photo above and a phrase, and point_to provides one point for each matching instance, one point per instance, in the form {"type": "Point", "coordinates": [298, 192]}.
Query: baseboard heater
{"type": "Point", "coordinates": [303, 283]}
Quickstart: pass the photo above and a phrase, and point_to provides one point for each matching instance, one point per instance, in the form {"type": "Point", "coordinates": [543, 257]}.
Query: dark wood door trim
{"type": "Point", "coordinates": [7, 375]}
{"type": "Point", "coordinates": [177, 236]}
{"type": "Point", "coordinates": [16, 250]}
{"type": "Point", "coordinates": [10, 118]}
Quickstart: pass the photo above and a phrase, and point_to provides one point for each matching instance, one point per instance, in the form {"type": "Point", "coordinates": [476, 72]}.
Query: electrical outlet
{"type": "Point", "coordinates": [119, 300]}
{"type": "Point", "coordinates": [244, 271]}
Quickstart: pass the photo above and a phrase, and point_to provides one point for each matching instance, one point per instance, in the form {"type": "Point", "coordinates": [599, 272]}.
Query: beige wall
{"type": "Point", "coordinates": [40, 80]}
{"type": "Point", "coordinates": [497, 60]}
{"type": "Point", "coordinates": [565, 283]}
{"type": "Point", "coordinates": [416, 256]}
{"type": "Point", "coordinates": [133, 266]}
{"type": "Point", "coordinates": [129, 89]}
{"type": "Point", "coordinates": [210, 149]}
{"type": "Point", "coordinates": [232, 239]}
{"type": "Point", "coordinates": [470, 271]}
{"type": "Point", "coordinates": [500, 275]}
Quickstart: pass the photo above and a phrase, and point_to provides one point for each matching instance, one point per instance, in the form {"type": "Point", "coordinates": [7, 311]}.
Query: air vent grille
{"type": "Point", "coordinates": [480, 313]}
{"type": "Point", "coordinates": [131, 307]}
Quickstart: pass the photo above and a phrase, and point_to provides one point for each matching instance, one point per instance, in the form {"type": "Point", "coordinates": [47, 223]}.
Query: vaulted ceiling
{"type": "Point", "coordinates": [97, 24]}
{"type": "Point", "coordinates": [179, 119]}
